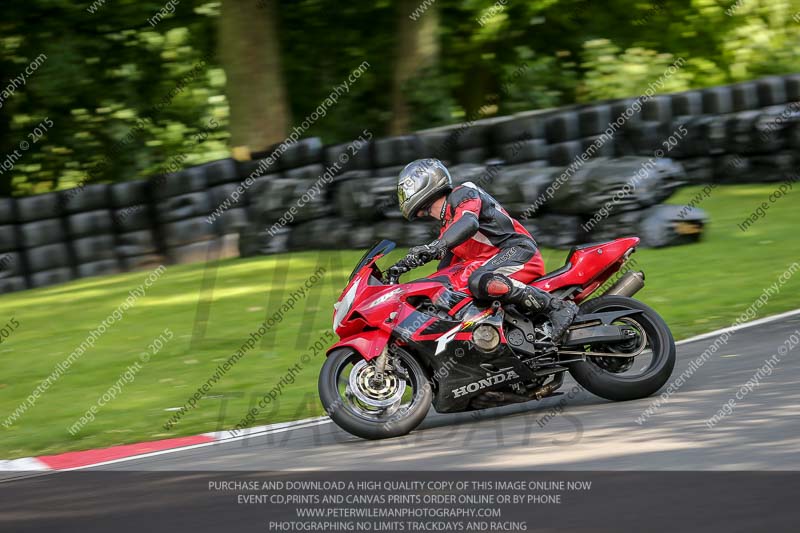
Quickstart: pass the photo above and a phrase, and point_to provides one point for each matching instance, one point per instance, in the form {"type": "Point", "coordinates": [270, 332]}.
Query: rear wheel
{"type": "Point", "coordinates": [621, 379]}
{"type": "Point", "coordinates": [369, 406]}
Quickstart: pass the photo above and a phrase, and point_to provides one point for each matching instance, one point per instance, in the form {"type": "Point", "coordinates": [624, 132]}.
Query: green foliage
{"type": "Point", "coordinates": [105, 71]}
{"type": "Point", "coordinates": [534, 82]}
{"type": "Point", "coordinates": [764, 40]}
{"type": "Point", "coordinates": [612, 73]}
{"type": "Point", "coordinates": [430, 99]}
{"type": "Point", "coordinates": [103, 74]}
{"type": "Point", "coordinates": [322, 42]}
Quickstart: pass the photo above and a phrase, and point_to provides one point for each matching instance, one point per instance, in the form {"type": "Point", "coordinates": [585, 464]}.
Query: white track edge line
{"type": "Point", "coordinates": [254, 430]}
{"type": "Point", "coordinates": [46, 470]}
{"type": "Point", "coordinates": [8, 465]}
{"type": "Point", "coordinates": [743, 325]}
{"type": "Point", "coordinates": [193, 446]}
{"type": "Point", "coordinates": [23, 464]}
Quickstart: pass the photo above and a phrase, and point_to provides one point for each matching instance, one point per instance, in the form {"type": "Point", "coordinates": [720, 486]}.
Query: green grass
{"type": "Point", "coordinates": [697, 288]}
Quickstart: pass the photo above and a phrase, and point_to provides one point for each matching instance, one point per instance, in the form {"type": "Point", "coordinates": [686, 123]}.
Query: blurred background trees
{"type": "Point", "coordinates": [127, 92]}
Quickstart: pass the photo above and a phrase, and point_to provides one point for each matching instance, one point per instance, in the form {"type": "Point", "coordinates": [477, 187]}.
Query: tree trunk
{"type": "Point", "coordinates": [417, 48]}
{"type": "Point", "coordinates": [250, 54]}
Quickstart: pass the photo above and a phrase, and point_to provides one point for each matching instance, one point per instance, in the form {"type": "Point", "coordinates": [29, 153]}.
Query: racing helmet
{"type": "Point", "coordinates": [420, 183]}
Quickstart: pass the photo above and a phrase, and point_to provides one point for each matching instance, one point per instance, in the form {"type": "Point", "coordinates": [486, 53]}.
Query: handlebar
{"type": "Point", "coordinates": [393, 273]}
{"type": "Point", "coordinates": [406, 264]}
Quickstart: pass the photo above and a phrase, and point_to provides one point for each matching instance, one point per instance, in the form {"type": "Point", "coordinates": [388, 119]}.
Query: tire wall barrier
{"type": "Point", "coordinates": [564, 173]}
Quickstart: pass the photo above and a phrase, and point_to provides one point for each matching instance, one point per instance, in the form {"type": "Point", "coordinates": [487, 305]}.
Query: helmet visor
{"type": "Point", "coordinates": [410, 185]}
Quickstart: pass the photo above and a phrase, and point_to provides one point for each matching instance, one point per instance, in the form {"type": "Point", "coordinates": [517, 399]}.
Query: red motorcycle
{"type": "Point", "coordinates": [405, 346]}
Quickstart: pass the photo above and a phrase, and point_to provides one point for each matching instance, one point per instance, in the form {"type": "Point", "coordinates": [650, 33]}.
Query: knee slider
{"type": "Point", "coordinates": [490, 285]}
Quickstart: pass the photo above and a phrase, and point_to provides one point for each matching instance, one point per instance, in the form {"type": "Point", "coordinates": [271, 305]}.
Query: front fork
{"type": "Point", "coordinates": [380, 363]}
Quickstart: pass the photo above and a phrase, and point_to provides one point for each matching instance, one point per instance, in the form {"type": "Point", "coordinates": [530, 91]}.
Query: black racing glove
{"type": "Point", "coordinates": [419, 255]}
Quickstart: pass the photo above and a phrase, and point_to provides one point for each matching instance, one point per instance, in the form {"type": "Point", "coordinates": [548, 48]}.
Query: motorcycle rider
{"type": "Point", "coordinates": [496, 249]}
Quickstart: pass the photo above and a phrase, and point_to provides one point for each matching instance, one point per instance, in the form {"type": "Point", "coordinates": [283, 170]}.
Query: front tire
{"type": "Point", "coordinates": [600, 378]}
{"type": "Point", "coordinates": [391, 408]}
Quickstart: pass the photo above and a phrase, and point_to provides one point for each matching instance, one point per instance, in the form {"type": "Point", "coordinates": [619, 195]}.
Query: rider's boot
{"type": "Point", "coordinates": [531, 301]}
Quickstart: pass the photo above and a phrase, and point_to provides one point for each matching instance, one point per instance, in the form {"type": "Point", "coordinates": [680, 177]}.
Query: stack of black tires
{"type": "Point", "coordinates": [359, 205]}
{"type": "Point", "coordinates": [199, 212]}
{"type": "Point", "coordinates": [91, 232]}
{"type": "Point", "coordinates": [566, 173]}
{"type": "Point", "coordinates": [317, 224]}
{"type": "Point", "coordinates": [280, 176]}
{"type": "Point", "coordinates": [136, 243]}
{"type": "Point", "coordinates": [44, 239]}
{"type": "Point", "coordinates": [742, 133]}
{"type": "Point", "coordinates": [12, 266]}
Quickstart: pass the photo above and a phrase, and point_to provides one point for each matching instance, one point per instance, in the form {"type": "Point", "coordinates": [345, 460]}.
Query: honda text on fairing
{"type": "Point", "coordinates": [405, 346]}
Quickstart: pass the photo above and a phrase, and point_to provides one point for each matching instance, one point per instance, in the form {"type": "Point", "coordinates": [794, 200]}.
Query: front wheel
{"type": "Point", "coordinates": [372, 408]}
{"type": "Point", "coordinates": [619, 378]}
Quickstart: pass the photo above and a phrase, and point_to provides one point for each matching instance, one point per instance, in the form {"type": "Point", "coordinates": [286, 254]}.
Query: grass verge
{"type": "Point", "coordinates": [212, 310]}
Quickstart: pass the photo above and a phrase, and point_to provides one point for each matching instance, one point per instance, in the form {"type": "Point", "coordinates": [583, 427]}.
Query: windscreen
{"type": "Point", "coordinates": [379, 248]}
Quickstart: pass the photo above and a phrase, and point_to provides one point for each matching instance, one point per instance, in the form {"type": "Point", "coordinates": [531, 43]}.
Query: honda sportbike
{"type": "Point", "coordinates": [406, 346]}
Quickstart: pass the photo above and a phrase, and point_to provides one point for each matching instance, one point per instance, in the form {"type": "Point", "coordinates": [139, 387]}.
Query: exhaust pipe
{"type": "Point", "coordinates": [627, 285]}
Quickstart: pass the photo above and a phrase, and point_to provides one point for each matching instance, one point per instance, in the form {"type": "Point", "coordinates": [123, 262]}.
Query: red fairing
{"type": "Point", "coordinates": [375, 310]}
{"type": "Point", "coordinates": [368, 311]}
{"type": "Point", "coordinates": [590, 267]}
{"type": "Point", "coordinates": [368, 343]}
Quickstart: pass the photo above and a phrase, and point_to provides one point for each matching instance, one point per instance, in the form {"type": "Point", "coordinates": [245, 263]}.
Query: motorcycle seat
{"type": "Point", "coordinates": [555, 273]}
{"type": "Point", "coordinates": [568, 263]}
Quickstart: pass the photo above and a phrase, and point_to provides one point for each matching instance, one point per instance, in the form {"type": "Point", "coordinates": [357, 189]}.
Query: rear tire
{"type": "Point", "coordinates": [618, 387]}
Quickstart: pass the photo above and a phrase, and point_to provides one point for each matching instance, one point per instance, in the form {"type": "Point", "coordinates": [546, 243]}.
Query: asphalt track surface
{"type": "Point", "coordinates": [762, 433]}
{"type": "Point", "coordinates": [168, 491]}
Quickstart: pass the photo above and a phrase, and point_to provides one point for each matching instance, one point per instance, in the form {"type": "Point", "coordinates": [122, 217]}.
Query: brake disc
{"type": "Point", "coordinates": [375, 393]}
